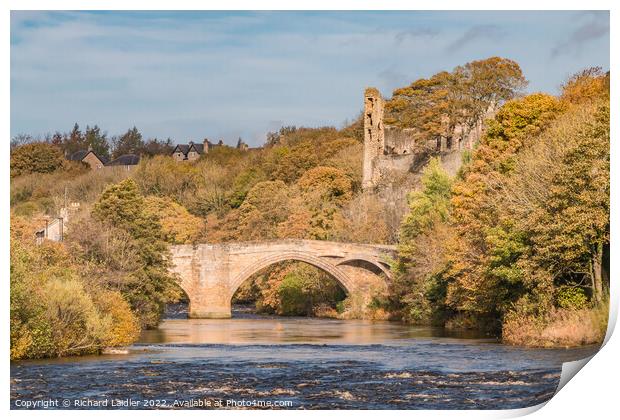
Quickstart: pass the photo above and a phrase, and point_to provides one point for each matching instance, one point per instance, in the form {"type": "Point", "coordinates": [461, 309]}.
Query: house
{"type": "Point", "coordinates": [89, 157]}
{"type": "Point", "coordinates": [55, 227]}
{"type": "Point", "coordinates": [129, 160]}
{"type": "Point", "coordinates": [193, 151]}
{"type": "Point", "coordinates": [54, 230]}
{"type": "Point", "coordinates": [241, 145]}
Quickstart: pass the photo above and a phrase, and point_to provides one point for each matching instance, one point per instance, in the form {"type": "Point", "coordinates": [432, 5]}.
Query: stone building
{"type": "Point", "coordinates": [55, 227]}
{"type": "Point", "coordinates": [241, 145]}
{"type": "Point", "coordinates": [192, 151]}
{"type": "Point", "coordinates": [89, 157]}
{"type": "Point", "coordinates": [391, 149]}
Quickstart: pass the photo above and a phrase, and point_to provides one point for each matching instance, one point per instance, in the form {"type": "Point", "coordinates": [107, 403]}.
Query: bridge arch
{"type": "Point", "coordinates": [376, 264]}
{"type": "Point", "coordinates": [308, 258]}
{"type": "Point", "coordinates": [184, 284]}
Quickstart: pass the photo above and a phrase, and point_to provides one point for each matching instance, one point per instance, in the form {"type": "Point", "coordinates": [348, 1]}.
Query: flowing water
{"type": "Point", "coordinates": [255, 361]}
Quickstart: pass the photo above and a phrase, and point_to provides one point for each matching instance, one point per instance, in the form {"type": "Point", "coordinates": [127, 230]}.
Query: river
{"type": "Point", "coordinates": [253, 361]}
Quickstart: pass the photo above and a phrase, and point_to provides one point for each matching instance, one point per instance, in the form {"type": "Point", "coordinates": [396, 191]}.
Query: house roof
{"type": "Point", "coordinates": [127, 160]}
{"type": "Point", "coordinates": [198, 147]}
{"type": "Point", "coordinates": [81, 154]}
{"type": "Point", "coordinates": [182, 148]}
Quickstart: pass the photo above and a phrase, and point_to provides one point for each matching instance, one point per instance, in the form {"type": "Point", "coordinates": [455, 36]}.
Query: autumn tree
{"type": "Point", "coordinates": [316, 208]}
{"type": "Point", "coordinates": [35, 158]}
{"type": "Point", "coordinates": [264, 208]}
{"type": "Point", "coordinates": [363, 221]}
{"type": "Point", "coordinates": [164, 177]}
{"type": "Point", "coordinates": [487, 84]}
{"type": "Point", "coordinates": [177, 224]}
{"type": "Point", "coordinates": [559, 197]}
{"type": "Point", "coordinates": [484, 277]}
{"type": "Point", "coordinates": [436, 106]}
{"type": "Point", "coordinates": [588, 85]}
{"type": "Point", "coordinates": [56, 310]}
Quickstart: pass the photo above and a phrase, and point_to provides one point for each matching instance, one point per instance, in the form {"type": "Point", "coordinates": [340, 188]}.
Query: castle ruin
{"type": "Point", "coordinates": [391, 149]}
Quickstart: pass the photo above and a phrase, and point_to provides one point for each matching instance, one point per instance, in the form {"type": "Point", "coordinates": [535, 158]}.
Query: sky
{"type": "Point", "coordinates": [225, 75]}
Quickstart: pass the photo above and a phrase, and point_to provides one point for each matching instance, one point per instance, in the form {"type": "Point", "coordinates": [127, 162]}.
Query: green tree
{"type": "Point", "coordinates": [96, 141]}
{"type": "Point", "coordinates": [243, 182]}
{"type": "Point", "coordinates": [74, 141]}
{"type": "Point", "coordinates": [130, 142]}
{"type": "Point", "coordinates": [151, 286]}
{"type": "Point", "coordinates": [304, 288]}
{"type": "Point", "coordinates": [154, 147]}
{"type": "Point", "coordinates": [427, 207]}
{"type": "Point", "coordinates": [418, 288]}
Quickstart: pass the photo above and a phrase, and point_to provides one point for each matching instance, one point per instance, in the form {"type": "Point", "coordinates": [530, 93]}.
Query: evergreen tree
{"type": "Point", "coordinates": [97, 141]}
{"type": "Point", "coordinates": [130, 142]}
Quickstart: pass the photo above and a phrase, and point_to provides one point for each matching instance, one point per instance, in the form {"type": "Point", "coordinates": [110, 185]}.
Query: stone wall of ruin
{"type": "Point", "coordinates": [390, 149]}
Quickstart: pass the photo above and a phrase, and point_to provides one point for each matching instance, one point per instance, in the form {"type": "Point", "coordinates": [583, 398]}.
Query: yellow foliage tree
{"type": "Point", "coordinates": [178, 225]}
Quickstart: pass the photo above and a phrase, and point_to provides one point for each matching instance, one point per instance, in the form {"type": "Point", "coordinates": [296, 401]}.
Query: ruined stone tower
{"type": "Point", "coordinates": [391, 150]}
{"type": "Point", "coordinates": [374, 135]}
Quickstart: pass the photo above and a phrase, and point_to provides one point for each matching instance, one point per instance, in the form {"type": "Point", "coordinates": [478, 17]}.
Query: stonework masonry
{"type": "Point", "coordinates": [374, 140]}
{"type": "Point", "coordinates": [210, 274]}
{"type": "Point", "coordinates": [390, 150]}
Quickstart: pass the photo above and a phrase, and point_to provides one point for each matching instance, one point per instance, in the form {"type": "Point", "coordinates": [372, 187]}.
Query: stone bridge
{"type": "Point", "coordinates": [210, 274]}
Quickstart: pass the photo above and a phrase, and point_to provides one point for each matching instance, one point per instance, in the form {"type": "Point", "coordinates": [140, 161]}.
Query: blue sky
{"type": "Point", "coordinates": [190, 75]}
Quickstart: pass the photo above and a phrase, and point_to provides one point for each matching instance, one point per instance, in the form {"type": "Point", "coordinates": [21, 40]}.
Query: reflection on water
{"type": "Point", "coordinates": [309, 362]}
{"type": "Point", "coordinates": [274, 330]}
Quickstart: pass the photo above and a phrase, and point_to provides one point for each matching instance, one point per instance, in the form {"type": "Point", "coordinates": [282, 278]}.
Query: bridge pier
{"type": "Point", "coordinates": [210, 305]}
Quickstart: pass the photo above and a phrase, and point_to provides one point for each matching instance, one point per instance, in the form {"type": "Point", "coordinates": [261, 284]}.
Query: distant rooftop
{"type": "Point", "coordinates": [125, 160]}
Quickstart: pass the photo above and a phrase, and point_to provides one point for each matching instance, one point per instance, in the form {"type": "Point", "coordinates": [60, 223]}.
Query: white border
{"type": "Point", "coordinates": [593, 395]}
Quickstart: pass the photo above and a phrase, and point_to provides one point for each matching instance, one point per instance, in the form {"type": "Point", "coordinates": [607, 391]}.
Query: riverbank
{"type": "Point", "coordinates": [559, 328]}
